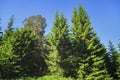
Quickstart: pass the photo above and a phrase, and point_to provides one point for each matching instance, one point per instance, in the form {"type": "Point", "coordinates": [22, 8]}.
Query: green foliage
{"type": "Point", "coordinates": [47, 77]}
{"type": "Point", "coordinates": [57, 45]}
{"type": "Point", "coordinates": [26, 54]}
{"type": "Point", "coordinates": [10, 26]}
{"type": "Point", "coordinates": [20, 56]}
{"type": "Point", "coordinates": [111, 61]}
{"type": "Point", "coordinates": [21, 78]}
{"type": "Point", "coordinates": [118, 62]}
{"type": "Point", "coordinates": [6, 54]}
{"type": "Point", "coordinates": [1, 63]}
{"type": "Point", "coordinates": [118, 66]}
{"type": "Point", "coordinates": [37, 23]}
{"type": "Point", "coordinates": [52, 77]}
{"type": "Point", "coordinates": [87, 48]}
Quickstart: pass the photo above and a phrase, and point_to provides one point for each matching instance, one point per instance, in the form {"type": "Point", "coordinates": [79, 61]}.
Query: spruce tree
{"type": "Point", "coordinates": [10, 26]}
{"type": "Point", "coordinates": [1, 33]}
{"type": "Point", "coordinates": [20, 55]}
{"type": "Point", "coordinates": [118, 66]}
{"type": "Point", "coordinates": [6, 49]}
{"type": "Point", "coordinates": [57, 45]}
{"type": "Point", "coordinates": [29, 59]}
{"type": "Point", "coordinates": [6, 55]}
{"type": "Point", "coordinates": [87, 48]}
{"type": "Point", "coordinates": [112, 60]}
{"type": "Point", "coordinates": [1, 64]}
{"type": "Point", "coordinates": [118, 62]}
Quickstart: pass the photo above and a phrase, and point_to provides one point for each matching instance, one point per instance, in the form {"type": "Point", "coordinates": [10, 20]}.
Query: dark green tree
{"type": "Point", "coordinates": [118, 62]}
{"type": "Point", "coordinates": [37, 23]}
{"type": "Point", "coordinates": [87, 49]}
{"type": "Point", "coordinates": [10, 28]}
{"type": "Point", "coordinates": [57, 44]}
{"type": "Point", "coordinates": [6, 54]}
{"type": "Point", "coordinates": [112, 61]}
{"type": "Point", "coordinates": [1, 33]}
{"type": "Point", "coordinates": [4, 57]}
{"type": "Point", "coordinates": [118, 66]}
{"type": "Point", "coordinates": [20, 55]}
{"type": "Point", "coordinates": [30, 61]}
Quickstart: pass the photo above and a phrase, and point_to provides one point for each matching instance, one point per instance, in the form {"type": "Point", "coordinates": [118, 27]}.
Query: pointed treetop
{"type": "Point", "coordinates": [0, 23]}
{"type": "Point", "coordinates": [56, 15]}
{"type": "Point", "coordinates": [10, 24]}
{"type": "Point", "coordinates": [74, 15]}
{"type": "Point", "coordinates": [111, 47]}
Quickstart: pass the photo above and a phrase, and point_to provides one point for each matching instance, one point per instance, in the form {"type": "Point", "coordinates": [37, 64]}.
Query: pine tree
{"type": "Point", "coordinates": [87, 48]}
{"type": "Point", "coordinates": [1, 33]}
{"type": "Point", "coordinates": [6, 49]}
{"type": "Point", "coordinates": [30, 61]}
{"type": "Point", "coordinates": [10, 26]}
{"type": "Point", "coordinates": [118, 62]}
{"type": "Point", "coordinates": [57, 45]}
{"type": "Point", "coordinates": [20, 55]}
{"type": "Point", "coordinates": [6, 55]}
{"type": "Point", "coordinates": [112, 60]}
{"type": "Point", "coordinates": [118, 66]}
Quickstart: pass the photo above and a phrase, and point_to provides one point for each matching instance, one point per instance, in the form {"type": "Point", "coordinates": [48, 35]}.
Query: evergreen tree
{"type": "Point", "coordinates": [29, 58]}
{"type": "Point", "coordinates": [87, 48]}
{"type": "Point", "coordinates": [6, 54]}
{"type": "Point", "coordinates": [57, 45]}
{"type": "Point", "coordinates": [118, 62]}
{"type": "Point", "coordinates": [118, 66]}
{"type": "Point", "coordinates": [1, 33]}
{"type": "Point", "coordinates": [112, 61]}
{"type": "Point", "coordinates": [20, 55]}
{"type": "Point", "coordinates": [10, 26]}
{"type": "Point", "coordinates": [4, 57]}
{"type": "Point", "coordinates": [37, 23]}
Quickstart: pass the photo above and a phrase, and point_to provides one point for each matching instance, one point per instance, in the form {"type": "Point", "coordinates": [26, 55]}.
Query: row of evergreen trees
{"type": "Point", "coordinates": [76, 53]}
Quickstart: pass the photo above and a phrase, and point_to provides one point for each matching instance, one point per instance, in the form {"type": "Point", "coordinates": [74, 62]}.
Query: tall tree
{"type": "Point", "coordinates": [10, 26]}
{"type": "Point", "coordinates": [87, 48]}
{"type": "Point", "coordinates": [57, 45]}
{"type": "Point", "coordinates": [4, 57]}
{"type": "Point", "coordinates": [118, 66]}
{"type": "Point", "coordinates": [6, 54]}
{"type": "Point", "coordinates": [112, 60]}
{"type": "Point", "coordinates": [37, 23]}
{"type": "Point", "coordinates": [29, 58]}
{"type": "Point", "coordinates": [20, 55]}
{"type": "Point", "coordinates": [1, 33]}
{"type": "Point", "coordinates": [118, 62]}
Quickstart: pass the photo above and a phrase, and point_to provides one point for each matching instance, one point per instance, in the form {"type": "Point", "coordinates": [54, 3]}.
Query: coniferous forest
{"type": "Point", "coordinates": [68, 52]}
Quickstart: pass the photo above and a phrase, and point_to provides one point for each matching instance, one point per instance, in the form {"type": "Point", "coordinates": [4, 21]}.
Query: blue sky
{"type": "Point", "coordinates": [104, 14]}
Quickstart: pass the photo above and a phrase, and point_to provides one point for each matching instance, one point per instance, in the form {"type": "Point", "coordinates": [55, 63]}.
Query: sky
{"type": "Point", "coordinates": [104, 14]}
